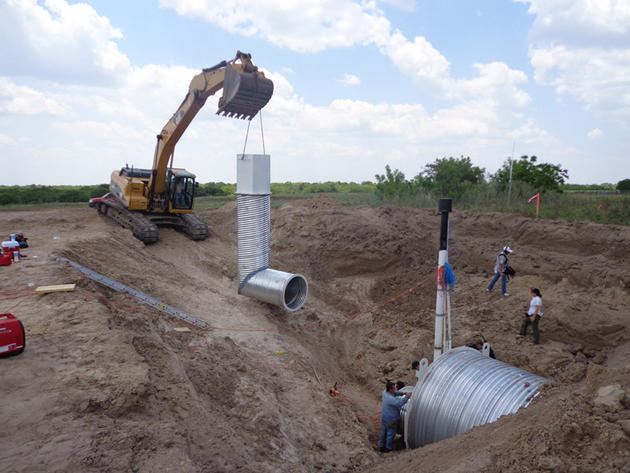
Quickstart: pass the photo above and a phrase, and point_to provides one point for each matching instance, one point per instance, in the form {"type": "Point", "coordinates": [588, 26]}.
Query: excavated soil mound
{"type": "Point", "coordinates": [108, 384]}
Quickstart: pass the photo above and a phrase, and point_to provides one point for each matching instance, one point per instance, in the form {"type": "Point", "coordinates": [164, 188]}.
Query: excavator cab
{"type": "Point", "coordinates": [181, 189]}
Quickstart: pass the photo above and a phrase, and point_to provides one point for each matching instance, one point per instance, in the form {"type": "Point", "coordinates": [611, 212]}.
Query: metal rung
{"type": "Point", "coordinates": [116, 286]}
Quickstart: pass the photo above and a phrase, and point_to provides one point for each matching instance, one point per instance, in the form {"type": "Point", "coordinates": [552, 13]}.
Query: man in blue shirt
{"type": "Point", "coordinates": [390, 416]}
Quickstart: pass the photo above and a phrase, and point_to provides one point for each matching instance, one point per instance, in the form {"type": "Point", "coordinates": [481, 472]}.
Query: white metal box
{"type": "Point", "coordinates": [253, 174]}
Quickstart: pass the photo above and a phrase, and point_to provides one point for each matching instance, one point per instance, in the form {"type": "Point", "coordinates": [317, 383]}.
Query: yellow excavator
{"type": "Point", "coordinates": [143, 199]}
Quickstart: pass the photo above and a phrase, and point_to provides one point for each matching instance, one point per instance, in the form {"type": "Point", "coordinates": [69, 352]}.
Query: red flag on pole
{"type": "Point", "coordinates": [537, 197]}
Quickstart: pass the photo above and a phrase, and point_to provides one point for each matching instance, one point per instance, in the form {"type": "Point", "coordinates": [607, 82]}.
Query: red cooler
{"type": "Point", "coordinates": [12, 248]}
{"type": "Point", "coordinates": [12, 337]}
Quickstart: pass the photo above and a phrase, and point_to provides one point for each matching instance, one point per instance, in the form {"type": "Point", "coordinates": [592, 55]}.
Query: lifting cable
{"type": "Point", "coordinates": [262, 133]}
{"type": "Point", "coordinates": [249, 122]}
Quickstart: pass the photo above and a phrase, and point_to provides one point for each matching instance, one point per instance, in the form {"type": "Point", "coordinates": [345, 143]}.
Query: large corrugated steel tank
{"type": "Point", "coordinates": [463, 389]}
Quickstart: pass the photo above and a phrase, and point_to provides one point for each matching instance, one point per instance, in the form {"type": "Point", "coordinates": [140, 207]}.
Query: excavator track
{"type": "Point", "coordinates": [194, 227]}
{"type": "Point", "coordinates": [190, 224]}
{"type": "Point", "coordinates": [145, 226]}
{"type": "Point", "coordinates": [141, 227]}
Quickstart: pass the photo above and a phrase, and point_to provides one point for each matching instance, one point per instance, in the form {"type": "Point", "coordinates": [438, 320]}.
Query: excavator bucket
{"type": "Point", "coordinates": [244, 93]}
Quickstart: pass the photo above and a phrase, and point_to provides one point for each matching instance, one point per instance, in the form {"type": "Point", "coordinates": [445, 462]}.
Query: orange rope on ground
{"type": "Point", "coordinates": [335, 394]}
{"type": "Point", "coordinates": [24, 289]}
{"type": "Point", "coordinates": [22, 298]}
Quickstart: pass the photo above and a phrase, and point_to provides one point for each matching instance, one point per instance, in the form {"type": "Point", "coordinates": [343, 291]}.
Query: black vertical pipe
{"type": "Point", "coordinates": [444, 207]}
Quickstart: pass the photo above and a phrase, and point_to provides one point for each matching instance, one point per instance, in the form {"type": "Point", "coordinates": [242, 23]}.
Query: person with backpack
{"type": "Point", "coordinates": [533, 315]}
{"type": "Point", "coordinates": [500, 266]}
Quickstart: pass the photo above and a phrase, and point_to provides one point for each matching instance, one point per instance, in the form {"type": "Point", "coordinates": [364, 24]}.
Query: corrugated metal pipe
{"type": "Point", "coordinates": [463, 389]}
{"type": "Point", "coordinates": [255, 278]}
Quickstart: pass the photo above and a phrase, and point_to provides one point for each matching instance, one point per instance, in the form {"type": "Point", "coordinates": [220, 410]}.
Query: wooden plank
{"type": "Point", "coordinates": [56, 288]}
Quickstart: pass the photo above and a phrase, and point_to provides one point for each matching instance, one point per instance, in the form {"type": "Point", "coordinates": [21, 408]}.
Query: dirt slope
{"type": "Point", "coordinates": [107, 384]}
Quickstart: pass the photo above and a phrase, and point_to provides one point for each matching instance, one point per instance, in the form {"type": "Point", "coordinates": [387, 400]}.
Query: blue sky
{"type": "Point", "coordinates": [86, 86]}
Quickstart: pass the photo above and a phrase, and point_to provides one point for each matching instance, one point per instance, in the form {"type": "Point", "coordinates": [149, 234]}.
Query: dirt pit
{"type": "Point", "coordinates": [108, 384]}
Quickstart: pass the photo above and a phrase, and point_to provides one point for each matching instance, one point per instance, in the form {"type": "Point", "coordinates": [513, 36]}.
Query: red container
{"type": "Point", "coordinates": [11, 247]}
{"type": "Point", "coordinates": [12, 337]}
{"type": "Point", "coordinates": [6, 259]}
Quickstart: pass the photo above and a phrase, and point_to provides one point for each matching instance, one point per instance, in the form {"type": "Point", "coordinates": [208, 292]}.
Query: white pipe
{"type": "Point", "coordinates": [440, 314]}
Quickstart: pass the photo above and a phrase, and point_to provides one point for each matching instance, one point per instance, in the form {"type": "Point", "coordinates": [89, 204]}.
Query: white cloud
{"type": "Point", "coordinates": [304, 25]}
{"type": "Point", "coordinates": [582, 49]}
{"type": "Point", "coordinates": [598, 78]}
{"type": "Point", "coordinates": [316, 25]}
{"type": "Point", "coordinates": [21, 100]}
{"type": "Point", "coordinates": [417, 59]}
{"type": "Point", "coordinates": [352, 139]}
{"type": "Point", "coordinates": [595, 134]}
{"type": "Point", "coordinates": [6, 140]}
{"type": "Point", "coordinates": [350, 80]}
{"type": "Point", "coordinates": [59, 41]}
{"type": "Point", "coordinates": [528, 133]}
{"type": "Point", "coordinates": [576, 20]}
{"type": "Point", "coordinates": [348, 139]}
{"type": "Point", "coordinates": [404, 5]}
{"type": "Point", "coordinates": [496, 81]}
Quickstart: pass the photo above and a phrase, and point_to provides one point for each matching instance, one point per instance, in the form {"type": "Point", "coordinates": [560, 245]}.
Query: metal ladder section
{"type": "Point", "coordinates": [116, 286]}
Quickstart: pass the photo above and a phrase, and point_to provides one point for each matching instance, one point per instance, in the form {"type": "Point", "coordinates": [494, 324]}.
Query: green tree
{"type": "Point", "coordinates": [392, 183]}
{"type": "Point", "coordinates": [542, 176]}
{"type": "Point", "coordinates": [450, 176]}
{"type": "Point", "coordinates": [624, 186]}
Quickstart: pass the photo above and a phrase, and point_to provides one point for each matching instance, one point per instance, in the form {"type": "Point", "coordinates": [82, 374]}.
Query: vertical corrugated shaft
{"type": "Point", "coordinates": [254, 228]}
{"type": "Point", "coordinates": [255, 278]}
{"type": "Point", "coordinates": [463, 389]}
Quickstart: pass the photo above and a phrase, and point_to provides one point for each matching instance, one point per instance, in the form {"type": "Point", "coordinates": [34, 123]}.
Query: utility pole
{"type": "Point", "coordinates": [510, 186]}
{"type": "Point", "coordinates": [442, 340]}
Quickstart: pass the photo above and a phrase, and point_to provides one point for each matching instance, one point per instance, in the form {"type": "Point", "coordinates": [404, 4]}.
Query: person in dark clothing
{"type": "Point", "coordinates": [22, 240]}
{"type": "Point", "coordinates": [477, 344]}
{"type": "Point", "coordinates": [499, 270]}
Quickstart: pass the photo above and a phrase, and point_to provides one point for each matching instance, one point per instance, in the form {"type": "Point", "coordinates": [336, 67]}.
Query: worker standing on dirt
{"type": "Point", "coordinates": [533, 315]}
{"type": "Point", "coordinates": [499, 270]}
{"type": "Point", "coordinates": [390, 417]}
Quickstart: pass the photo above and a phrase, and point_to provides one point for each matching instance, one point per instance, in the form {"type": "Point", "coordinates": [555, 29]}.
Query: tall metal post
{"type": "Point", "coordinates": [511, 164]}
{"type": "Point", "coordinates": [440, 344]}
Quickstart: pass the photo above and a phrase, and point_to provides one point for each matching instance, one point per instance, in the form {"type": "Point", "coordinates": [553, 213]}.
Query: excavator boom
{"type": "Point", "coordinates": [163, 195]}
{"type": "Point", "coordinates": [245, 91]}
